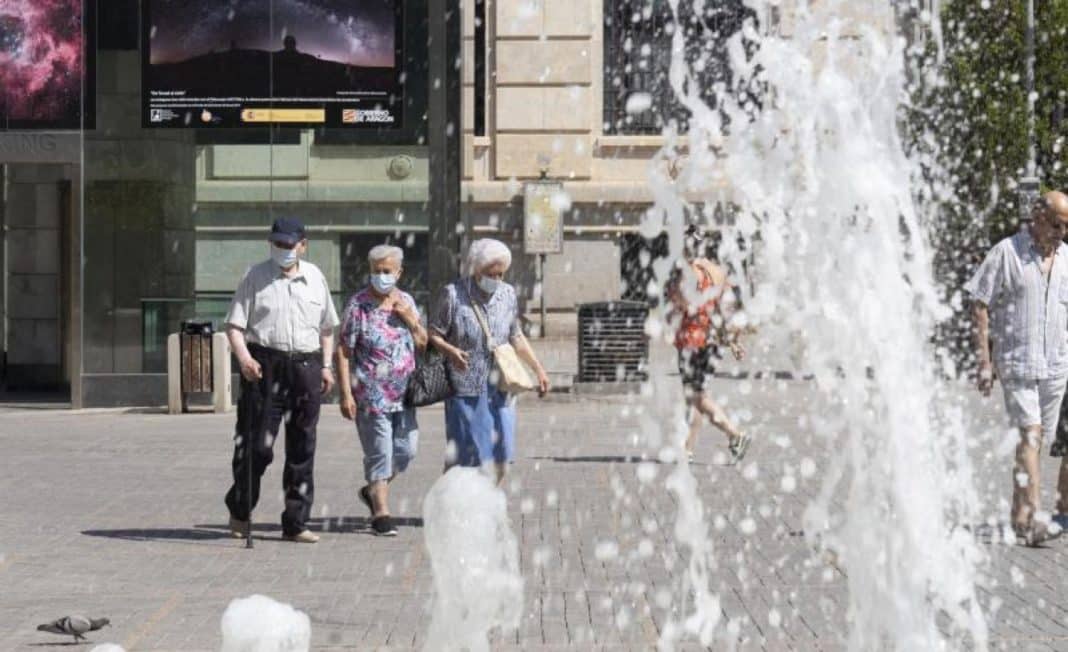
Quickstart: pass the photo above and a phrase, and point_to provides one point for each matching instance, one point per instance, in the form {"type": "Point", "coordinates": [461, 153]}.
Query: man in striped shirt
{"type": "Point", "coordinates": [1020, 307]}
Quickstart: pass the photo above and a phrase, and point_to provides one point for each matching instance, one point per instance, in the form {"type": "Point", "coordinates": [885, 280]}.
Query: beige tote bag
{"type": "Point", "coordinates": [514, 377]}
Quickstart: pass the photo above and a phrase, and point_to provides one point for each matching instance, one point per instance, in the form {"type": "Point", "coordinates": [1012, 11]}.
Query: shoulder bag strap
{"type": "Point", "coordinates": [481, 316]}
{"type": "Point", "coordinates": [485, 325]}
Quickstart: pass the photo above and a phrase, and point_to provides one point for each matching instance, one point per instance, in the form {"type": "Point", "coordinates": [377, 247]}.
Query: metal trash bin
{"type": "Point", "coordinates": [612, 345]}
{"type": "Point", "coordinates": [196, 357]}
{"type": "Point", "coordinates": [198, 362]}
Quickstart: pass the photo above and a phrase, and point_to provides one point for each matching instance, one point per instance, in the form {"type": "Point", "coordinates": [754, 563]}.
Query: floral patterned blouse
{"type": "Point", "coordinates": [454, 319]}
{"type": "Point", "coordinates": [381, 350]}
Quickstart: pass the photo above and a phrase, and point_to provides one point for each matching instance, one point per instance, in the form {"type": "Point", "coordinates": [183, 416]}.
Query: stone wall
{"type": "Point", "coordinates": [138, 238]}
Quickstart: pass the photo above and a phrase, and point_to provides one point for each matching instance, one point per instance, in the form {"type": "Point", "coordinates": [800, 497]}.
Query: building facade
{"type": "Point", "coordinates": [115, 234]}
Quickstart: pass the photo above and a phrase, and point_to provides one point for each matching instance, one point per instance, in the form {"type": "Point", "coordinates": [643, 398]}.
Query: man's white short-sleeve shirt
{"type": "Point", "coordinates": [1028, 313]}
{"type": "Point", "coordinates": [282, 312]}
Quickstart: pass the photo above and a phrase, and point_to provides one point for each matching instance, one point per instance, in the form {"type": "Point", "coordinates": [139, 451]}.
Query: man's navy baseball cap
{"type": "Point", "coordinates": [287, 230]}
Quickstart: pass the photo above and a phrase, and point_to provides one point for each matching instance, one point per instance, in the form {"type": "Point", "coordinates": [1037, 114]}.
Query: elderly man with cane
{"type": "Point", "coordinates": [281, 327]}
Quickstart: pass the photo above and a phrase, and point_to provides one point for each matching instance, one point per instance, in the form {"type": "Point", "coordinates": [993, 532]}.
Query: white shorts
{"type": "Point", "coordinates": [1034, 403]}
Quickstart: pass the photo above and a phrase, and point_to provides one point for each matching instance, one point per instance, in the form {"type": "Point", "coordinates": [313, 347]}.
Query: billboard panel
{"type": "Point", "coordinates": [47, 56]}
{"type": "Point", "coordinates": [255, 63]}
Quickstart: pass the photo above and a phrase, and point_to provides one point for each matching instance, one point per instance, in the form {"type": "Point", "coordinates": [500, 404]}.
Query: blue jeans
{"type": "Point", "coordinates": [389, 442]}
{"type": "Point", "coordinates": [481, 428]}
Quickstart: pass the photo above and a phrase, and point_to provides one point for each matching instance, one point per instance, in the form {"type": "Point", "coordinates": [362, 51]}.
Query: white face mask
{"type": "Point", "coordinates": [488, 285]}
{"type": "Point", "coordinates": [284, 258]}
{"type": "Point", "coordinates": [383, 283]}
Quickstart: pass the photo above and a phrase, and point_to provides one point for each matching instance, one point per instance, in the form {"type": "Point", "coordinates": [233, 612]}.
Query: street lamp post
{"type": "Point", "coordinates": [1029, 184]}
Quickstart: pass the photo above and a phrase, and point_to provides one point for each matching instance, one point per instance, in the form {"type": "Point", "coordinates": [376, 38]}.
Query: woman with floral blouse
{"type": "Point", "coordinates": [380, 332]}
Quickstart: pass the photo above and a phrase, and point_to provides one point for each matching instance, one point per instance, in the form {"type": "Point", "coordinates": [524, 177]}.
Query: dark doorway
{"type": "Point", "coordinates": [37, 225]}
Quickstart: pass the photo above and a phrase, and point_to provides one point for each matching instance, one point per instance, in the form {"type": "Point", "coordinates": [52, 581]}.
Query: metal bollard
{"type": "Point", "coordinates": [221, 390]}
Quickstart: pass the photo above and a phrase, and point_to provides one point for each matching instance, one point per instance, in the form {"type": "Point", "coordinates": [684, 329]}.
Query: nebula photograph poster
{"type": "Point", "coordinates": [251, 63]}
{"type": "Point", "coordinates": [46, 64]}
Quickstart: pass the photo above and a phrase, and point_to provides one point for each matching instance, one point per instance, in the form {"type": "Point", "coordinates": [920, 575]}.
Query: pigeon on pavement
{"type": "Point", "coordinates": [74, 626]}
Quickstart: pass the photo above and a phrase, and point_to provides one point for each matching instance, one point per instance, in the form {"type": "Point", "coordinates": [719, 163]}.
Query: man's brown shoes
{"type": "Point", "coordinates": [307, 536]}
{"type": "Point", "coordinates": [238, 529]}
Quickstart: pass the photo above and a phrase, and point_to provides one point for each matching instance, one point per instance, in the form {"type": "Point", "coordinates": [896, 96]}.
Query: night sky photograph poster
{"type": "Point", "coordinates": [232, 63]}
{"type": "Point", "coordinates": [46, 64]}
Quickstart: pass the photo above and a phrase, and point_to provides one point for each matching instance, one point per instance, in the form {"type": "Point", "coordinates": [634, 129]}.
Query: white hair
{"type": "Point", "coordinates": [385, 252]}
{"type": "Point", "coordinates": [485, 252]}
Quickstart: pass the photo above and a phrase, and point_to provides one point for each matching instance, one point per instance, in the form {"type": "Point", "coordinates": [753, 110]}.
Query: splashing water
{"type": "Point", "coordinates": [475, 559]}
{"type": "Point", "coordinates": [825, 210]}
{"type": "Point", "coordinates": [259, 624]}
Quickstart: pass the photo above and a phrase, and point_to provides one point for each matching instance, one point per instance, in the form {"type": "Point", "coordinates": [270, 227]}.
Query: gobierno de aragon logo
{"type": "Point", "coordinates": [356, 116]}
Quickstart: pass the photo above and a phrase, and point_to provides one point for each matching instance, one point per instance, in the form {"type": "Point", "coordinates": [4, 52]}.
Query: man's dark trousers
{"type": "Point", "coordinates": [289, 389]}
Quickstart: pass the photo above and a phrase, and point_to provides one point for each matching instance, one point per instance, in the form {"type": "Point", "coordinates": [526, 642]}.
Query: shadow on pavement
{"type": "Point", "coordinates": [599, 459]}
{"type": "Point", "coordinates": [221, 531]}
{"type": "Point", "coordinates": [357, 523]}
{"type": "Point", "coordinates": [160, 534]}
{"type": "Point", "coordinates": [620, 459]}
{"type": "Point", "coordinates": [342, 524]}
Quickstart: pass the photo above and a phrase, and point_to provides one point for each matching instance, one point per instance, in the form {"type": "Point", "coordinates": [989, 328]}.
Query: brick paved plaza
{"type": "Point", "coordinates": [121, 515]}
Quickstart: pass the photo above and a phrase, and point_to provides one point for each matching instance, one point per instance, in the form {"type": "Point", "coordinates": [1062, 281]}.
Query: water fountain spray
{"type": "Point", "coordinates": [803, 144]}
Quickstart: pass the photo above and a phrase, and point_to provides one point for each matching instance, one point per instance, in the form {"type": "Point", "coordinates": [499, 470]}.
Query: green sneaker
{"type": "Point", "coordinates": [738, 448]}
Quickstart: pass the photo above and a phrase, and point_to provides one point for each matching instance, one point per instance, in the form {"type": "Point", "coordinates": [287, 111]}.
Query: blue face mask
{"type": "Point", "coordinates": [489, 285]}
{"type": "Point", "coordinates": [284, 258]}
{"type": "Point", "coordinates": [383, 283]}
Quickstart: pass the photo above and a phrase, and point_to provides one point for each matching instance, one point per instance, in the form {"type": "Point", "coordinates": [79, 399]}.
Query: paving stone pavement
{"type": "Point", "coordinates": [121, 515]}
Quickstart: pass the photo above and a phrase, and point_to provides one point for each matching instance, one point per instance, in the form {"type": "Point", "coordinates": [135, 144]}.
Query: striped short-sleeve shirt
{"type": "Point", "coordinates": [1028, 312]}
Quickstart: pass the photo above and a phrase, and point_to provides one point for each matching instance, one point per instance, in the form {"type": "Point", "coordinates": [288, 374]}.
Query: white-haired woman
{"type": "Point", "coordinates": [480, 419]}
{"type": "Point", "coordinates": [380, 331]}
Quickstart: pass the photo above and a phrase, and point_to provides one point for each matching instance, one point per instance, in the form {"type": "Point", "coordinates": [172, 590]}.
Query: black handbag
{"type": "Point", "coordinates": [431, 382]}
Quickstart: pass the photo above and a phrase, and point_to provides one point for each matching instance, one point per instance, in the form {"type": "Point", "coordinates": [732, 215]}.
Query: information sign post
{"type": "Point", "coordinates": [544, 203]}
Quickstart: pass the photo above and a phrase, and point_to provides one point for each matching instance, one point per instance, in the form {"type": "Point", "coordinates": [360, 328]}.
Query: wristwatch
{"type": "Point", "coordinates": [328, 366]}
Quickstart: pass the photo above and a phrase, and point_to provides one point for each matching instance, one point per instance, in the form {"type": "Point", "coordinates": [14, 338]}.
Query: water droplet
{"type": "Point", "coordinates": [774, 618]}
{"type": "Point", "coordinates": [606, 550]}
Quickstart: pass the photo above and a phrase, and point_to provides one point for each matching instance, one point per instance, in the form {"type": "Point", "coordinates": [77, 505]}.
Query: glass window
{"type": "Point", "coordinates": [636, 269]}
{"type": "Point", "coordinates": [637, 54]}
{"type": "Point", "coordinates": [216, 118]}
